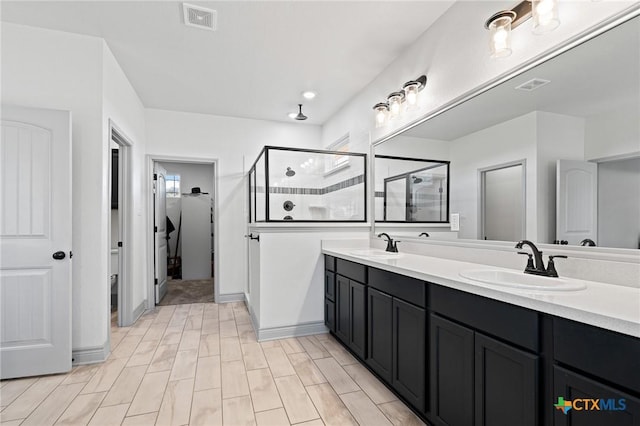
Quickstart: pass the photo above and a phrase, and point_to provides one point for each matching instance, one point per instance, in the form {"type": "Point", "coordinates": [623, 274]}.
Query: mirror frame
{"type": "Point", "coordinates": [603, 253]}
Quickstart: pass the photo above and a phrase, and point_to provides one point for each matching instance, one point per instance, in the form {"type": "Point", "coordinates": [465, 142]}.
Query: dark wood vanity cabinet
{"type": "Point", "coordinates": [330, 300]}
{"type": "Point", "coordinates": [461, 359]}
{"type": "Point", "coordinates": [397, 341]}
{"type": "Point", "coordinates": [350, 306]}
{"type": "Point", "coordinates": [475, 378]}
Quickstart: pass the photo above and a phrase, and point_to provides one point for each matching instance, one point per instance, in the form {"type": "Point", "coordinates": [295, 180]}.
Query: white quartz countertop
{"type": "Point", "coordinates": [608, 306]}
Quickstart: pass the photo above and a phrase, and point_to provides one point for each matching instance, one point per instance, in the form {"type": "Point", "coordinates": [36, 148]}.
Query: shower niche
{"type": "Point", "coordinates": [303, 185]}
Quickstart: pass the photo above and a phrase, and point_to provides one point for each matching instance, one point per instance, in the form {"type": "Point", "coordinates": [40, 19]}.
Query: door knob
{"type": "Point", "coordinates": [59, 255]}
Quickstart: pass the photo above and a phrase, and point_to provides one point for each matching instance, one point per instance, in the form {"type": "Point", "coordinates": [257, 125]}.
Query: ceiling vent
{"type": "Point", "coordinates": [199, 17]}
{"type": "Point", "coordinates": [532, 85]}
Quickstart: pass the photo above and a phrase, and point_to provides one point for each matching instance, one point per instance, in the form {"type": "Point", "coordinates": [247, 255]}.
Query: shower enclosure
{"type": "Point", "coordinates": [306, 185]}
{"type": "Point", "coordinates": [411, 190]}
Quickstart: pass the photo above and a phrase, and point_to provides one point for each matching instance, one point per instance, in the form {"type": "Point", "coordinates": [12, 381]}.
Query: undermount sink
{"type": "Point", "coordinates": [375, 254]}
{"type": "Point", "coordinates": [522, 281]}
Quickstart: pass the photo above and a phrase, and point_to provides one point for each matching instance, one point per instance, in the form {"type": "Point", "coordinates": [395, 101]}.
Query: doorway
{"type": "Point", "coordinates": [119, 172]}
{"type": "Point", "coordinates": [184, 231]}
{"type": "Point", "coordinates": [502, 202]}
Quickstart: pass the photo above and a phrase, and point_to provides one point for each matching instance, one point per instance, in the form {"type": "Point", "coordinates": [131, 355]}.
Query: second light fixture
{"type": "Point", "coordinates": [392, 108]}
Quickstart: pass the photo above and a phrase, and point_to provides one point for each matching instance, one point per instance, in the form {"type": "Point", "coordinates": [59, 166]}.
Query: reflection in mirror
{"type": "Point", "coordinates": [572, 122]}
{"type": "Point", "coordinates": [411, 190]}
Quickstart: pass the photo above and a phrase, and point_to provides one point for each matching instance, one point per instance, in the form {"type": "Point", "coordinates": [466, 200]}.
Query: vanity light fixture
{"type": "Point", "coordinates": [545, 19]}
{"type": "Point", "coordinates": [393, 107]}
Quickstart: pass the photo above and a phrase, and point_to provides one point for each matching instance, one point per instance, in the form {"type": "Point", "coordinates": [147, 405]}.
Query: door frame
{"type": "Point", "coordinates": [125, 291]}
{"type": "Point", "coordinates": [481, 195]}
{"type": "Point", "coordinates": [213, 162]}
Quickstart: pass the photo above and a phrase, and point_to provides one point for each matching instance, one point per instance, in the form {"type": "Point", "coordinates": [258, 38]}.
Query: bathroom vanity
{"type": "Point", "coordinates": [465, 353]}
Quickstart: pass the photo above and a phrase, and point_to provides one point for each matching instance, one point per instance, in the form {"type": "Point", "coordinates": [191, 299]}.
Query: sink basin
{"type": "Point", "coordinates": [375, 254]}
{"type": "Point", "coordinates": [523, 281]}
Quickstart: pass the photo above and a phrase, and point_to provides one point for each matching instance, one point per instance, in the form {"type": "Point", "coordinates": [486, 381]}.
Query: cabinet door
{"type": "Point", "coordinates": [506, 384]}
{"type": "Point", "coordinates": [330, 315]}
{"type": "Point", "coordinates": [409, 362]}
{"type": "Point", "coordinates": [616, 407]}
{"type": "Point", "coordinates": [330, 285]}
{"type": "Point", "coordinates": [342, 309]}
{"type": "Point", "coordinates": [451, 372]}
{"type": "Point", "coordinates": [358, 319]}
{"type": "Point", "coordinates": [379, 333]}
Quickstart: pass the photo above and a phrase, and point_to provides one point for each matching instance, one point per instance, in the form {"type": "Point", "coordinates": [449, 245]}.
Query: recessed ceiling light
{"type": "Point", "coordinates": [309, 94]}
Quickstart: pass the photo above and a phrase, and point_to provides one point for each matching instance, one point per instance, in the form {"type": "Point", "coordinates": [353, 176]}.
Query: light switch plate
{"type": "Point", "coordinates": [455, 221]}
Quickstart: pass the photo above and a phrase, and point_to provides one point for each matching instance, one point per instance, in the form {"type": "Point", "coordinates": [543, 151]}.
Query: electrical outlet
{"type": "Point", "coordinates": [455, 221]}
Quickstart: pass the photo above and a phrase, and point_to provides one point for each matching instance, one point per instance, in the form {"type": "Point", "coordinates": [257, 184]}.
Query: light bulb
{"type": "Point", "coordinates": [545, 16]}
{"type": "Point", "coordinates": [395, 100]}
{"type": "Point", "coordinates": [381, 110]}
{"type": "Point", "coordinates": [500, 35]}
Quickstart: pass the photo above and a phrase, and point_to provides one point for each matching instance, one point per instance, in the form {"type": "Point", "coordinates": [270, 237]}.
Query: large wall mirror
{"type": "Point", "coordinates": [551, 155]}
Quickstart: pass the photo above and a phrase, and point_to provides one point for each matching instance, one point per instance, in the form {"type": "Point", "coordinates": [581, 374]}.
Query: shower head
{"type": "Point", "coordinates": [416, 179]}
{"type": "Point", "coordinates": [290, 172]}
{"type": "Point", "coordinates": [300, 115]}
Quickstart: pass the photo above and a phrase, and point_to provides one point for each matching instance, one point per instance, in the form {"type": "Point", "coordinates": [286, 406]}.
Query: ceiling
{"type": "Point", "coordinates": [263, 55]}
{"type": "Point", "coordinates": [593, 78]}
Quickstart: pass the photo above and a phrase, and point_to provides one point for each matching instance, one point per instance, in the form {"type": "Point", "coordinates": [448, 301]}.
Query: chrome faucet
{"type": "Point", "coordinates": [537, 267]}
{"type": "Point", "coordinates": [392, 246]}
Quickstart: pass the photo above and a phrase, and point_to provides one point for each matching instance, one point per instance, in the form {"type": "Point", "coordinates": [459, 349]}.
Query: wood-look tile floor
{"type": "Point", "coordinates": [200, 364]}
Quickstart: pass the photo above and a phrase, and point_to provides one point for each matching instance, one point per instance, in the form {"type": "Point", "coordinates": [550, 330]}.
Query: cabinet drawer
{"type": "Point", "coordinates": [352, 270]}
{"type": "Point", "coordinates": [612, 356]}
{"type": "Point", "coordinates": [406, 288]}
{"type": "Point", "coordinates": [330, 285]}
{"type": "Point", "coordinates": [329, 263]}
{"type": "Point", "coordinates": [514, 324]}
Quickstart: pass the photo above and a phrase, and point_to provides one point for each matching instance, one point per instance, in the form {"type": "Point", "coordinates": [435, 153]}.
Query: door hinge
{"type": "Point", "coordinates": [155, 176]}
{"type": "Point", "coordinates": [70, 255]}
{"type": "Point", "coordinates": [155, 229]}
{"type": "Point", "coordinates": [440, 190]}
{"type": "Point", "coordinates": [155, 281]}
{"type": "Point", "coordinates": [119, 243]}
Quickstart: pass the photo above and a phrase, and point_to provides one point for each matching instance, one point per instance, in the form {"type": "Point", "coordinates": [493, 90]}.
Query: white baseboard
{"type": "Point", "coordinates": [90, 355]}
{"type": "Point", "coordinates": [137, 312]}
{"type": "Point", "coordinates": [290, 331]}
{"type": "Point", "coordinates": [230, 297]}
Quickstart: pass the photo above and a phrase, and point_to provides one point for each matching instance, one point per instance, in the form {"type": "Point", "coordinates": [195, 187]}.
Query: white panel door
{"type": "Point", "coordinates": [35, 242]}
{"type": "Point", "coordinates": [576, 201]}
{"type": "Point", "coordinates": [160, 228]}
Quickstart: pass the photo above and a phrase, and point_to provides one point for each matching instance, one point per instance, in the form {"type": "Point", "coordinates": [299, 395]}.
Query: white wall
{"type": "Point", "coordinates": [613, 134]}
{"type": "Point", "coordinates": [291, 276]}
{"type": "Point", "coordinates": [50, 69]}
{"type": "Point", "coordinates": [558, 137]}
{"type": "Point", "coordinates": [619, 204]}
{"type": "Point", "coordinates": [494, 146]}
{"type": "Point", "coordinates": [235, 142]}
{"type": "Point", "coordinates": [454, 55]}
{"type": "Point", "coordinates": [121, 105]}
